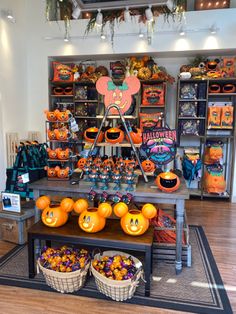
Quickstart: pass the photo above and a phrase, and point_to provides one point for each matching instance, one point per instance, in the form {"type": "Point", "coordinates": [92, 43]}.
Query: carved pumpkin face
{"type": "Point", "coordinates": [212, 65]}
{"type": "Point", "coordinates": [167, 182]}
{"type": "Point", "coordinates": [63, 154]}
{"type": "Point", "coordinates": [51, 135]}
{"type": "Point", "coordinates": [134, 223]}
{"type": "Point", "coordinates": [62, 172]}
{"type": "Point", "coordinates": [51, 172]}
{"type": "Point", "coordinates": [90, 221]}
{"type": "Point", "coordinates": [148, 165]}
{"type": "Point", "coordinates": [81, 163]}
{"type": "Point", "coordinates": [54, 216]}
{"type": "Point", "coordinates": [91, 133]}
{"type": "Point", "coordinates": [136, 136]}
{"type": "Point", "coordinates": [52, 154]}
{"type": "Point", "coordinates": [114, 135]}
{"type": "Point", "coordinates": [63, 116]}
{"type": "Point", "coordinates": [51, 116]}
{"type": "Point", "coordinates": [61, 134]}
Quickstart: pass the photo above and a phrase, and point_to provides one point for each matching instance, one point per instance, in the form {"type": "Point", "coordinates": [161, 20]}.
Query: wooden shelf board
{"type": "Point", "coordinates": [86, 100]}
{"type": "Point", "coordinates": [152, 106]}
{"type": "Point", "coordinates": [191, 99]}
{"type": "Point", "coordinates": [63, 96]}
{"type": "Point", "coordinates": [116, 117]}
{"type": "Point", "coordinates": [104, 144]}
{"type": "Point", "coordinates": [85, 117]}
{"type": "Point", "coordinates": [197, 192]}
{"type": "Point", "coordinates": [221, 94]}
{"type": "Point", "coordinates": [57, 121]}
{"type": "Point", "coordinates": [191, 118]}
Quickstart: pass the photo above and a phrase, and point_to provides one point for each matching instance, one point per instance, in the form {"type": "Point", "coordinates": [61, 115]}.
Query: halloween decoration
{"type": "Point", "coordinates": [114, 135]}
{"type": "Point", "coordinates": [63, 154]}
{"type": "Point", "coordinates": [213, 152]}
{"type": "Point", "coordinates": [188, 109]}
{"type": "Point", "coordinates": [150, 121]}
{"type": "Point", "coordinates": [51, 172]}
{"type": "Point", "coordinates": [81, 205]}
{"type": "Point", "coordinates": [62, 72]}
{"type": "Point", "coordinates": [135, 134]}
{"type": "Point", "coordinates": [188, 91]}
{"type": "Point", "coordinates": [148, 165]}
{"type": "Point", "coordinates": [92, 220]}
{"type": "Point", "coordinates": [105, 209]}
{"type": "Point", "coordinates": [62, 134]}
{"type": "Point", "coordinates": [81, 163]}
{"type": "Point", "coordinates": [213, 118]}
{"type": "Point", "coordinates": [51, 135]}
{"type": "Point", "coordinates": [214, 88]}
{"type": "Point", "coordinates": [214, 181]}
{"type": "Point", "coordinates": [191, 165]}
{"type": "Point", "coordinates": [116, 177]}
{"type": "Point", "coordinates": [119, 95]}
{"type": "Point", "coordinates": [159, 145]}
{"type": "Point", "coordinates": [135, 222]}
{"type": "Point", "coordinates": [227, 117]}
{"type": "Point", "coordinates": [52, 154]}
{"type": "Point", "coordinates": [63, 173]}
{"type": "Point", "coordinates": [144, 73]}
{"type": "Point", "coordinates": [129, 177]}
{"type": "Point", "coordinates": [228, 88]}
{"type": "Point", "coordinates": [153, 95]}
{"type": "Point", "coordinates": [91, 133]}
{"type": "Point", "coordinates": [54, 215]}
{"type": "Point", "coordinates": [104, 177]}
{"type": "Point", "coordinates": [50, 115]}
{"type": "Point", "coordinates": [94, 177]}
{"type": "Point", "coordinates": [167, 182]}
{"type": "Point", "coordinates": [63, 116]}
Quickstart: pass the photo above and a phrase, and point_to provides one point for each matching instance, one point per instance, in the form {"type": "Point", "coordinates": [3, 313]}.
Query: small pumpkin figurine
{"type": "Point", "coordinates": [52, 153]}
{"type": "Point", "coordinates": [63, 154]}
{"type": "Point", "coordinates": [91, 219]}
{"type": "Point", "coordinates": [54, 215]}
{"type": "Point", "coordinates": [50, 115]}
{"type": "Point", "coordinates": [81, 163]}
{"type": "Point", "coordinates": [63, 116]}
{"type": "Point", "coordinates": [62, 173]}
{"type": "Point", "coordinates": [61, 134]}
{"type": "Point", "coordinates": [167, 181]}
{"type": "Point", "coordinates": [51, 135]}
{"type": "Point", "coordinates": [135, 222]}
{"type": "Point", "coordinates": [51, 172]}
{"type": "Point", "coordinates": [148, 165]}
{"type": "Point", "coordinates": [135, 134]}
{"type": "Point", "coordinates": [114, 135]}
{"type": "Point", "coordinates": [91, 133]}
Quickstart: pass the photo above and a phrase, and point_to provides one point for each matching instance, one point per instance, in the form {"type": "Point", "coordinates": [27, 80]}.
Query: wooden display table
{"type": "Point", "coordinates": [111, 237]}
{"type": "Point", "coordinates": [145, 193]}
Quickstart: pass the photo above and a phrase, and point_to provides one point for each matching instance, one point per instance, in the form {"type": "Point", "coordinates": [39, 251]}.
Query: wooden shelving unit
{"type": "Point", "coordinates": [227, 136]}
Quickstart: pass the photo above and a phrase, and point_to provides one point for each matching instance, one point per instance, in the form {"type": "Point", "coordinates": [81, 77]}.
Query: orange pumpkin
{"type": "Point", "coordinates": [167, 182]}
{"type": "Point", "coordinates": [52, 154]}
{"type": "Point", "coordinates": [63, 116]}
{"type": "Point", "coordinates": [104, 209]}
{"type": "Point", "coordinates": [114, 135]}
{"type": "Point", "coordinates": [91, 221]}
{"type": "Point", "coordinates": [81, 205]}
{"type": "Point", "coordinates": [214, 182]}
{"type": "Point", "coordinates": [91, 133]}
{"type": "Point", "coordinates": [63, 154]}
{"type": "Point", "coordinates": [50, 115]}
{"type": "Point", "coordinates": [54, 216]}
{"type": "Point", "coordinates": [51, 172]}
{"type": "Point", "coordinates": [136, 136]}
{"type": "Point", "coordinates": [109, 162]}
{"type": "Point", "coordinates": [51, 135]}
{"type": "Point", "coordinates": [148, 165]}
{"type": "Point", "coordinates": [149, 211]}
{"type": "Point", "coordinates": [61, 134]}
{"type": "Point", "coordinates": [42, 202]}
{"type": "Point", "coordinates": [81, 163]}
{"type": "Point", "coordinates": [120, 209]}
{"type": "Point", "coordinates": [67, 204]}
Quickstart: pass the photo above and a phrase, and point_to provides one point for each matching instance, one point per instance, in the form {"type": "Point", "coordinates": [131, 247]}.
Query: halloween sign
{"type": "Point", "coordinates": [120, 95]}
{"type": "Point", "coordinates": [160, 145]}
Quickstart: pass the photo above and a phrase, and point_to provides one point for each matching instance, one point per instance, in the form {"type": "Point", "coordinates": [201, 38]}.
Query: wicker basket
{"type": "Point", "coordinates": [64, 282]}
{"type": "Point", "coordinates": [117, 290]}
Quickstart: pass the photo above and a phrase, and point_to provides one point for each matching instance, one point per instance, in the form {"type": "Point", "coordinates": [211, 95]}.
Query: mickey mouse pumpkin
{"type": "Point", "coordinates": [54, 215]}
{"type": "Point", "coordinates": [114, 135]}
{"type": "Point", "coordinates": [92, 219]}
{"type": "Point", "coordinates": [91, 133]}
{"type": "Point", "coordinates": [134, 222]}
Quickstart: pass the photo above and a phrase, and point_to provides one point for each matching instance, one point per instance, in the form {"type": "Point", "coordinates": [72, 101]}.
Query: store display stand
{"type": "Point", "coordinates": [127, 132]}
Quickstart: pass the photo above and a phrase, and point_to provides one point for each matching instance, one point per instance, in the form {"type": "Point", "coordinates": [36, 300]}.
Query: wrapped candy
{"type": "Point", "coordinates": [64, 259]}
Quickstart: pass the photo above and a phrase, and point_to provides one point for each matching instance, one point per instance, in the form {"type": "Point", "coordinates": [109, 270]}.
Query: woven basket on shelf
{"type": "Point", "coordinates": [118, 290]}
{"type": "Point", "coordinates": [65, 282]}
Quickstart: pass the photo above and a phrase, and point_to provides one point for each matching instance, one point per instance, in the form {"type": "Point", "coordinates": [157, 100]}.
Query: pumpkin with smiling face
{"type": "Point", "coordinates": [114, 135]}
{"type": "Point", "coordinates": [135, 222]}
{"type": "Point", "coordinates": [92, 219]}
{"type": "Point", "coordinates": [148, 165]}
{"type": "Point", "coordinates": [55, 215]}
{"type": "Point", "coordinates": [91, 133]}
{"type": "Point", "coordinates": [167, 182]}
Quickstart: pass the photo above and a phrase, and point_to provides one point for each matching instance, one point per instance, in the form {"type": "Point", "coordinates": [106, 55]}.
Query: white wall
{"type": "Point", "coordinates": [13, 74]}
{"type": "Point", "coordinates": [168, 46]}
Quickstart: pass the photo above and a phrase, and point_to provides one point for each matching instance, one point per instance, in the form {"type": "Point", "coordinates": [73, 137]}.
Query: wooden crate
{"type": "Point", "coordinates": [13, 227]}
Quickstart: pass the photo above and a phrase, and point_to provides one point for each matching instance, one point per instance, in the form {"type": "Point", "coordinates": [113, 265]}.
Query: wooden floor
{"type": "Point", "coordinates": [219, 222]}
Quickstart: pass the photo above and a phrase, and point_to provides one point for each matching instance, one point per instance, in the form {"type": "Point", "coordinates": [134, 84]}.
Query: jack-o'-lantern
{"type": "Point", "coordinates": [228, 88]}
{"type": "Point", "coordinates": [91, 133]}
{"type": "Point", "coordinates": [148, 165]}
{"type": "Point", "coordinates": [135, 222]}
{"type": "Point", "coordinates": [91, 220]}
{"type": "Point", "coordinates": [51, 135]}
{"type": "Point", "coordinates": [62, 173]}
{"type": "Point", "coordinates": [81, 163]}
{"type": "Point", "coordinates": [61, 134]}
{"type": "Point", "coordinates": [214, 181]}
{"type": "Point", "coordinates": [52, 154]}
{"type": "Point", "coordinates": [63, 116]}
{"type": "Point", "coordinates": [108, 162]}
{"type": "Point", "coordinates": [51, 115]}
{"type": "Point", "coordinates": [54, 215]}
{"type": "Point", "coordinates": [136, 135]}
{"type": "Point", "coordinates": [63, 154]}
{"type": "Point", "coordinates": [114, 135]}
{"type": "Point", "coordinates": [212, 64]}
{"type": "Point", "coordinates": [167, 182]}
{"type": "Point", "coordinates": [51, 172]}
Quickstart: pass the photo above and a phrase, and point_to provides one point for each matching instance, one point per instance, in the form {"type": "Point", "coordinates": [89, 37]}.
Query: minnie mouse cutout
{"type": "Point", "coordinates": [118, 95]}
